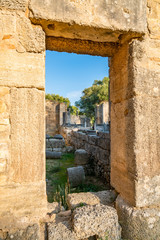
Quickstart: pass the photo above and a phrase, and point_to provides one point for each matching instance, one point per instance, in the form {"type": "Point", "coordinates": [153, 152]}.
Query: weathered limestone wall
{"type": "Point", "coordinates": [120, 29]}
{"type": "Point", "coordinates": [98, 148]}
{"type": "Point", "coordinates": [22, 72]}
{"type": "Point", "coordinates": [135, 91]}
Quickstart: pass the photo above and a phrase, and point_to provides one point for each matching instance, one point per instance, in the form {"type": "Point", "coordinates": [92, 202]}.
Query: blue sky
{"type": "Point", "coordinates": [68, 74]}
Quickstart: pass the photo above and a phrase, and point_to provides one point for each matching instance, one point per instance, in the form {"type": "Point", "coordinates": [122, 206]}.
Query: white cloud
{"type": "Point", "coordinates": [74, 96]}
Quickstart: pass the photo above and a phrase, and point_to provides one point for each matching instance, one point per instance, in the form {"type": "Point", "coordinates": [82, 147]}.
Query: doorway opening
{"type": "Point", "coordinates": [77, 124]}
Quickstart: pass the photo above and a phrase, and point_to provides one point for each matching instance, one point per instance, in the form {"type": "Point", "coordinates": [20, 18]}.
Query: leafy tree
{"type": "Point", "coordinates": [92, 96]}
{"type": "Point", "coordinates": [74, 110]}
{"type": "Point", "coordinates": [57, 98]}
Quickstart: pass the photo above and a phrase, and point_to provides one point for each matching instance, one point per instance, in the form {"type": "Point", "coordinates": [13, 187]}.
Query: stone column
{"type": "Point", "coordinates": [22, 113]}
{"type": "Point", "coordinates": [135, 131]}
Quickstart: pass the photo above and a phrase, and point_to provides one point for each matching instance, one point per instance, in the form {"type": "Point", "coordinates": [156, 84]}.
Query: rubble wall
{"type": "Point", "coordinates": [98, 147]}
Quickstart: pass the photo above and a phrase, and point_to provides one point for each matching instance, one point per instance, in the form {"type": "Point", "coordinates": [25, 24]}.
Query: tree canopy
{"type": "Point", "coordinates": [57, 98]}
{"type": "Point", "coordinates": [96, 94]}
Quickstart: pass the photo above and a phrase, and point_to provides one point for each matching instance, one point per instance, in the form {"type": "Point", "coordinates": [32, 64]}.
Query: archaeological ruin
{"type": "Point", "coordinates": [128, 32]}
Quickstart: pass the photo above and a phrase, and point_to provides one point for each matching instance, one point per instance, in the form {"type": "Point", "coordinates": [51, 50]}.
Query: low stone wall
{"type": "Point", "coordinates": [98, 147]}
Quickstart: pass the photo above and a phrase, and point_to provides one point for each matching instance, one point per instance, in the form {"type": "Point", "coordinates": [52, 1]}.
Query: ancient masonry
{"type": "Point", "coordinates": [98, 148]}
{"type": "Point", "coordinates": [102, 113]}
{"type": "Point", "coordinates": [127, 31]}
{"type": "Point", "coordinates": [54, 116]}
{"type": "Point", "coordinates": [57, 116]}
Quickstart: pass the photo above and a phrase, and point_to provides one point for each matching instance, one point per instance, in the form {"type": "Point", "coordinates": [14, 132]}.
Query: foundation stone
{"type": "Point", "coordinates": [138, 223]}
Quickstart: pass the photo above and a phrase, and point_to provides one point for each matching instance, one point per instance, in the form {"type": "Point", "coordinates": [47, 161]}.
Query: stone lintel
{"type": "Point", "coordinates": [81, 46]}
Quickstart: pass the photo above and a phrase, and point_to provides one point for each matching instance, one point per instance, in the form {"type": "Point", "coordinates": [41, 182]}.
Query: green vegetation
{"type": "Point", "coordinates": [57, 98]}
{"type": "Point", "coordinates": [57, 186]}
{"type": "Point", "coordinates": [61, 195]}
{"type": "Point", "coordinates": [57, 178]}
{"type": "Point", "coordinates": [74, 110]}
{"type": "Point", "coordinates": [92, 96]}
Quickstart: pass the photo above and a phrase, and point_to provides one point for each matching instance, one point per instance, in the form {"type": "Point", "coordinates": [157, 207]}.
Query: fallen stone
{"type": "Point", "coordinates": [81, 157]}
{"type": "Point", "coordinates": [99, 220]}
{"type": "Point", "coordinates": [53, 155]}
{"type": "Point", "coordinates": [76, 176]}
{"type": "Point", "coordinates": [55, 143]}
{"type": "Point", "coordinates": [106, 197]}
{"type": "Point", "coordinates": [91, 198]}
{"type": "Point", "coordinates": [58, 136]}
{"type": "Point", "coordinates": [79, 199]}
{"type": "Point", "coordinates": [60, 231]}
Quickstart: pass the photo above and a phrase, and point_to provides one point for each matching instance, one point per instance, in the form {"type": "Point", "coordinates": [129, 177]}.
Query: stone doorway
{"type": "Point", "coordinates": [128, 33]}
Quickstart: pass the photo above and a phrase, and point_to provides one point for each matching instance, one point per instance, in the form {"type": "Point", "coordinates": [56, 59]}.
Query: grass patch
{"type": "Point", "coordinates": [56, 174]}
{"type": "Point", "coordinates": [56, 170]}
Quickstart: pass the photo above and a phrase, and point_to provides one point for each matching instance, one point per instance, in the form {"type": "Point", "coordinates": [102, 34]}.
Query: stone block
{"type": "Point", "coordinates": [55, 143]}
{"type": "Point", "coordinates": [138, 223]}
{"type": "Point", "coordinates": [104, 49]}
{"type": "Point", "coordinates": [103, 135]}
{"type": "Point", "coordinates": [131, 74]}
{"type": "Point", "coordinates": [27, 135]}
{"type": "Point", "coordinates": [120, 87]}
{"type": "Point", "coordinates": [31, 232]}
{"type": "Point", "coordinates": [32, 38]}
{"type": "Point", "coordinates": [89, 221]}
{"type": "Point", "coordinates": [28, 65]}
{"type": "Point", "coordinates": [81, 157]}
{"type": "Point", "coordinates": [76, 176]}
{"type": "Point", "coordinates": [145, 79]}
{"type": "Point", "coordinates": [58, 136]}
{"type": "Point", "coordinates": [61, 231]}
{"type": "Point", "coordinates": [153, 18]}
{"type": "Point", "coordinates": [84, 18]}
{"type": "Point", "coordinates": [17, 33]}
{"type": "Point", "coordinates": [14, 4]}
{"type": "Point", "coordinates": [104, 156]}
{"type": "Point", "coordinates": [123, 166]}
{"type": "Point", "coordinates": [91, 198]}
{"type": "Point", "coordinates": [19, 201]}
{"type": "Point", "coordinates": [104, 143]}
{"type": "Point", "coordinates": [93, 140]}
